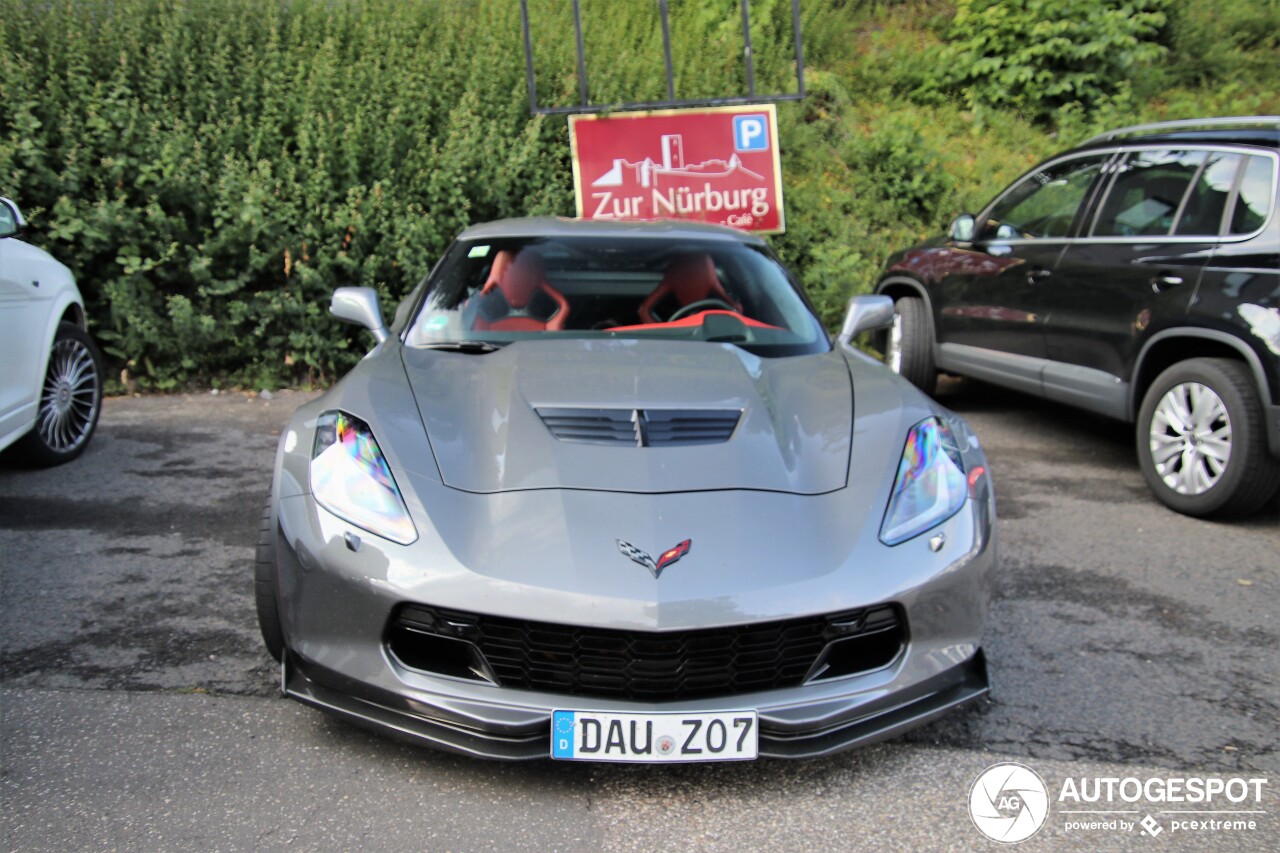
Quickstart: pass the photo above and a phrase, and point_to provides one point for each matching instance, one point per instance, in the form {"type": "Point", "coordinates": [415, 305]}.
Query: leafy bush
{"type": "Point", "coordinates": [211, 170]}
{"type": "Point", "coordinates": [1221, 43]}
{"type": "Point", "coordinates": [1037, 56]}
{"type": "Point", "coordinates": [905, 175]}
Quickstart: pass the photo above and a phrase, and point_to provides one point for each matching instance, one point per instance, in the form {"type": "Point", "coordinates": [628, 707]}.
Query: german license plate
{"type": "Point", "coordinates": [603, 736]}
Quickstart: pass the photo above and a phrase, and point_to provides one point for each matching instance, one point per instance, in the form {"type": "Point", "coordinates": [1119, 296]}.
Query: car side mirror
{"type": "Point", "coordinates": [11, 220]}
{"type": "Point", "coordinates": [866, 313]}
{"type": "Point", "coordinates": [359, 305]}
{"type": "Point", "coordinates": [963, 228]}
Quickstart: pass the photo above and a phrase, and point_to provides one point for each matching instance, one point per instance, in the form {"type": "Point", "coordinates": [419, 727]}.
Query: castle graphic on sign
{"type": "Point", "coordinates": [722, 189]}
{"type": "Point", "coordinates": [648, 173]}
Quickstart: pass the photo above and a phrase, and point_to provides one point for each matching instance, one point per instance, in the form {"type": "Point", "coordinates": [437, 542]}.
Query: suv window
{"type": "Point", "coordinates": [1209, 193]}
{"type": "Point", "coordinates": [1254, 201]}
{"type": "Point", "coordinates": [1044, 204]}
{"type": "Point", "coordinates": [1147, 192]}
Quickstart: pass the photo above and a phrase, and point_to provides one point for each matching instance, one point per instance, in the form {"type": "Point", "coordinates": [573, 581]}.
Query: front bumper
{"type": "Point", "coordinates": [782, 734]}
{"type": "Point", "coordinates": [337, 604]}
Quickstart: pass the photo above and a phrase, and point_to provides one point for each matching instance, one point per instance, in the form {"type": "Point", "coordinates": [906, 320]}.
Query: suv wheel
{"type": "Point", "coordinates": [908, 345]}
{"type": "Point", "coordinates": [1201, 440]}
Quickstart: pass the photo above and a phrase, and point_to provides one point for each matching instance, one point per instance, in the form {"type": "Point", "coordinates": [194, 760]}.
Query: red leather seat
{"type": "Point", "coordinates": [516, 298]}
{"type": "Point", "coordinates": [689, 278]}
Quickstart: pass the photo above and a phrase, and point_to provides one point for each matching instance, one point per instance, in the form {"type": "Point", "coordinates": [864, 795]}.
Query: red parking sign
{"type": "Point", "coordinates": [712, 165]}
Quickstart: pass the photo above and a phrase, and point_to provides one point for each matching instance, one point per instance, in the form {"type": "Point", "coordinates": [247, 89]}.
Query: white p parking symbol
{"type": "Point", "coordinates": [750, 133]}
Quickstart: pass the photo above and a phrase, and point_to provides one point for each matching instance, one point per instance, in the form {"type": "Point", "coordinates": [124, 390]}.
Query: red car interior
{"type": "Point", "coordinates": [516, 298]}
{"type": "Point", "coordinates": [689, 278]}
{"type": "Point", "coordinates": [697, 319]}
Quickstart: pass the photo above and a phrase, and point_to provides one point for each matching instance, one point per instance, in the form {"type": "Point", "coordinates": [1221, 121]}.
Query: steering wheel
{"type": "Point", "coordinates": [700, 305]}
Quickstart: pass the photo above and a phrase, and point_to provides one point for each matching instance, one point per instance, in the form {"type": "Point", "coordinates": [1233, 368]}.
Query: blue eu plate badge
{"type": "Point", "coordinates": [562, 734]}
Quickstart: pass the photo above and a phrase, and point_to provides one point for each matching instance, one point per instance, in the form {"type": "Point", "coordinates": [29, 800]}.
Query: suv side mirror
{"type": "Point", "coordinates": [359, 305]}
{"type": "Point", "coordinates": [11, 220]}
{"type": "Point", "coordinates": [866, 313]}
{"type": "Point", "coordinates": [963, 228]}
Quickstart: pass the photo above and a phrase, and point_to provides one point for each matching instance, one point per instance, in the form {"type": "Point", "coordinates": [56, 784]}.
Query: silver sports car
{"type": "Point", "coordinates": [608, 491]}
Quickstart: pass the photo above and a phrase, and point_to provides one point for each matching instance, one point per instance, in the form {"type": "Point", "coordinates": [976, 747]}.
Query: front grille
{"type": "Point", "coordinates": [645, 666]}
{"type": "Point", "coordinates": [641, 427]}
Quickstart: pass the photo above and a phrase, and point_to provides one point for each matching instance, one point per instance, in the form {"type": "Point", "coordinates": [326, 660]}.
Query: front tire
{"type": "Point", "coordinates": [70, 399]}
{"type": "Point", "coordinates": [266, 585]}
{"type": "Point", "coordinates": [908, 344]}
{"type": "Point", "coordinates": [1202, 440]}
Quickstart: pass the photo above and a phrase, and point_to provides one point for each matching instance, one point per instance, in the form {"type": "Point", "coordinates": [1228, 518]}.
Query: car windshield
{"type": "Point", "coordinates": [493, 292]}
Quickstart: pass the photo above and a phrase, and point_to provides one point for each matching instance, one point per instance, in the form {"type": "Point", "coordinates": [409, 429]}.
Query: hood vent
{"type": "Point", "coordinates": [642, 427]}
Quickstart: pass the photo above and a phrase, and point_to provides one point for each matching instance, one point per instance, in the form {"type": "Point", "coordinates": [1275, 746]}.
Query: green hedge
{"type": "Point", "coordinates": [211, 169]}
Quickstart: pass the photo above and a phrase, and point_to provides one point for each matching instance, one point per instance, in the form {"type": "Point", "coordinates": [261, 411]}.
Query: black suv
{"type": "Point", "coordinates": [1136, 276]}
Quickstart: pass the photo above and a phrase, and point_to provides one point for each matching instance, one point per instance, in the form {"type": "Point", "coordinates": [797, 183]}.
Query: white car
{"type": "Point", "coordinates": [50, 369]}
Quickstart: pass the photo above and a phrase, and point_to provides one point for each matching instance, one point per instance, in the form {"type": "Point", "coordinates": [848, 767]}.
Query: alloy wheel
{"type": "Point", "coordinates": [69, 400]}
{"type": "Point", "coordinates": [1190, 438]}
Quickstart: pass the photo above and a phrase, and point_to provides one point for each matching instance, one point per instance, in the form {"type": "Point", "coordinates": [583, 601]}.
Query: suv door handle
{"type": "Point", "coordinates": [1037, 275]}
{"type": "Point", "coordinates": [1164, 281]}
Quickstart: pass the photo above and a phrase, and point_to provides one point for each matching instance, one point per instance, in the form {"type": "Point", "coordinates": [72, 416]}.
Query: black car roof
{"type": "Point", "coordinates": [1259, 137]}
{"type": "Point", "coordinates": [1263, 131]}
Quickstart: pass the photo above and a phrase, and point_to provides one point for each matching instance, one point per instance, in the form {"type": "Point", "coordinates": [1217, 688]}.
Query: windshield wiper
{"type": "Point", "coordinates": [470, 347]}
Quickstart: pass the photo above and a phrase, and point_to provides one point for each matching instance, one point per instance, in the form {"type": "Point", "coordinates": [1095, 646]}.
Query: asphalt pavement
{"type": "Point", "coordinates": [138, 710]}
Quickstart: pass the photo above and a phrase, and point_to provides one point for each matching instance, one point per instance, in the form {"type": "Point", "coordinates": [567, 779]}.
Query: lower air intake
{"type": "Point", "coordinates": [646, 666]}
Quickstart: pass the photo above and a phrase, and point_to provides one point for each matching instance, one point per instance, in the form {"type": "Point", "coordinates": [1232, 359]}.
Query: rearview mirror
{"type": "Point", "coordinates": [866, 313]}
{"type": "Point", "coordinates": [359, 305]}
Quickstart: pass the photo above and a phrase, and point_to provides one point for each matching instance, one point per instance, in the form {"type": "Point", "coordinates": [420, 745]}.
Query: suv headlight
{"type": "Point", "coordinates": [351, 478]}
{"type": "Point", "coordinates": [931, 485]}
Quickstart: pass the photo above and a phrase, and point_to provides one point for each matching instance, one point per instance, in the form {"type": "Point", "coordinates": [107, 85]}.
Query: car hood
{"type": "Point", "coordinates": [756, 555]}
{"type": "Point", "coordinates": [490, 418]}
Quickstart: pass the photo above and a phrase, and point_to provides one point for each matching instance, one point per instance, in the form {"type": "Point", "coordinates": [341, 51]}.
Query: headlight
{"type": "Point", "coordinates": [931, 485]}
{"type": "Point", "coordinates": [351, 478]}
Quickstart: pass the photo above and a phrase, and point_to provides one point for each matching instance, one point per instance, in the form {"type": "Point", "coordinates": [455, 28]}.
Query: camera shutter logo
{"type": "Point", "coordinates": [1009, 802]}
